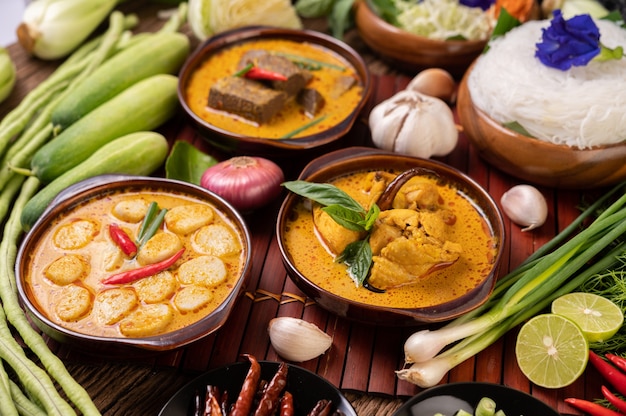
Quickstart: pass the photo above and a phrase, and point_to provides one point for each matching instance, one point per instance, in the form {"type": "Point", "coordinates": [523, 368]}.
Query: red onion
{"type": "Point", "coordinates": [247, 182]}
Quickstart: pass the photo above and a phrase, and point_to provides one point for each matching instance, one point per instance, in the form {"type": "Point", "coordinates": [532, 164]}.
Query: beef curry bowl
{"type": "Point", "coordinates": [137, 262]}
{"type": "Point", "coordinates": [264, 90]}
{"type": "Point", "coordinates": [432, 250]}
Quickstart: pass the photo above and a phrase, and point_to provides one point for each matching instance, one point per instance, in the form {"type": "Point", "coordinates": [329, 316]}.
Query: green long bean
{"type": "Point", "coordinates": [15, 315]}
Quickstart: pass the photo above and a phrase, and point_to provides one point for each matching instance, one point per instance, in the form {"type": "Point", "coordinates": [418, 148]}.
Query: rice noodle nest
{"type": "Point", "coordinates": [582, 107]}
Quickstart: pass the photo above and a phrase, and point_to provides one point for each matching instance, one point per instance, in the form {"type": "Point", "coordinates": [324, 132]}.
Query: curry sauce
{"type": "Point", "coordinates": [324, 79]}
{"type": "Point", "coordinates": [470, 231]}
{"type": "Point", "coordinates": [76, 254]}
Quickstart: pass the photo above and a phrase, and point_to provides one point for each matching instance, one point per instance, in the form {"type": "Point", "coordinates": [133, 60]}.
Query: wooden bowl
{"type": "Point", "coordinates": [105, 345]}
{"type": "Point", "coordinates": [413, 53]}
{"type": "Point", "coordinates": [537, 161]}
{"type": "Point", "coordinates": [235, 143]}
{"type": "Point", "coordinates": [358, 159]}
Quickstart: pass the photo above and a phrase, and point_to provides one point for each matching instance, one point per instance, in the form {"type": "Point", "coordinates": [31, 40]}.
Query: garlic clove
{"type": "Point", "coordinates": [297, 340]}
{"type": "Point", "coordinates": [525, 206]}
{"type": "Point", "coordinates": [436, 82]}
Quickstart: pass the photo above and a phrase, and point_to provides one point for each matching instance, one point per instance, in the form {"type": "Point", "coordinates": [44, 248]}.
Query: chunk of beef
{"type": "Point", "coordinates": [246, 98]}
{"type": "Point", "coordinates": [343, 84]}
{"type": "Point", "coordinates": [311, 100]}
{"type": "Point", "coordinates": [297, 78]}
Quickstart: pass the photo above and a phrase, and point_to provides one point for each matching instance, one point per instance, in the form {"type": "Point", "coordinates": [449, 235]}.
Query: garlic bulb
{"type": "Point", "coordinates": [415, 124]}
{"type": "Point", "coordinates": [297, 340]}
{"type": "Point", "coordinates": [525, 206]}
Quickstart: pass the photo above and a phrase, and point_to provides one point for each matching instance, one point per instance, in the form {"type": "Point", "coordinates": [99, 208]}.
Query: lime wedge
{"type": "Point", "coordinates": [551, 350]}
{"type": "Point", "coordinates": [598, 317]}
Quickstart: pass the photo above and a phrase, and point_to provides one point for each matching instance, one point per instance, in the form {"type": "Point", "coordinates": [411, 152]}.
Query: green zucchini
{"type": "Point", "coordinates": [143, 106]}
{"type": "Point", "coordinates": [160, 53]}
{"type": "Point", "coordinates": [140, 153]}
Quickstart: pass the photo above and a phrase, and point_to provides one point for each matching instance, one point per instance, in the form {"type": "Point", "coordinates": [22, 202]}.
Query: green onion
{"type": "Point", "coordinates": [303, 128]}
{"type": "Point", "coordinates": [485, 407]}
{"type": "Point", "coordinates": [243, 70]}
{"type": "Point", "coordinates": [310, 63]}
{"type": "Point", "coordinates": [522, 294]}
{"type": "Point", "coordinates": [152, 228]}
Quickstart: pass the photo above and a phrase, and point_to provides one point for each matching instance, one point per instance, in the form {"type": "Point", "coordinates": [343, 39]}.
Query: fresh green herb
{"type": "Point", "coordinates": [243, 70]}
{"type": "Point", "coordinates": [310, 63]}
{"type": "Point", "coordinates": [153, 208]}
{"type": "Point", "coordinates": [314, 8]}
{"type": "Point", "coordinates": [341, 18]}
{"type": "Point", "coordinates": [338, 12]}
{"type": "Point", "coordinates": [303, 128]}
{"type": "Point", "coordinates": [504, 23]}
{"type": "Point", "coordinates": [386, 9]}
{"type": "Point", "coordinates": [358, 257]}
{"type": "Point", "coordinates": [516, 127]}
{"type": "Point", "coordinates": [152, 228]}
{"type": "Point", "coordinates": [348, 213]}
{"type": "Point", "coordinates": [187, 163]}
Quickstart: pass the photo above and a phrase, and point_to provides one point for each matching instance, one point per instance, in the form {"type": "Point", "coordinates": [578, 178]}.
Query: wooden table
{"type": "Point", "coordinates": [363, 358]}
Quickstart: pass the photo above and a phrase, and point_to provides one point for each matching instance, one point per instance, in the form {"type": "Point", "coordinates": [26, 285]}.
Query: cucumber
{"type": "Point", "coordinates": [161, 53]}
{"type": "Point", "coordinates": [143, 106]}
{"type": "Point", "coordinates": [139, 153]}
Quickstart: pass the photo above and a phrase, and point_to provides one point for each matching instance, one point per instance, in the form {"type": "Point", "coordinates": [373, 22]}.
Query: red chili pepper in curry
{"type": "Point", "coordinates": [122, 240]}
{"type": "Point", "coordinates": [146, 271]}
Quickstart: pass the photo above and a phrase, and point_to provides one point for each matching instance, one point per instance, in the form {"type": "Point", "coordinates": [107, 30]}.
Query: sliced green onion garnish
{"type": "Point", "coordinates": [301, 129]}
{"type": "Point", "coordinates": [312, 63]}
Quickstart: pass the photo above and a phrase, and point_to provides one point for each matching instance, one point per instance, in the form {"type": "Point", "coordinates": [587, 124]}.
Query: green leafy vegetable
{"type": "Point", "coordinates": [348, 213]}
{"type": "Point", "coordinates": [358, 257]}
{"type": "Point", "coordinates": [341, 17]}
{"type": "Point", "coordinates": [386, 9]}
{"type": "Point", "coordinates": [314, 8]}
{"type": "Point", "coordinates": [187, 163]}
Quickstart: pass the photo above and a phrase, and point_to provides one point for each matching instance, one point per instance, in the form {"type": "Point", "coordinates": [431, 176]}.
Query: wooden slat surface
{"type": "Point", "coordinates": [363, 358]}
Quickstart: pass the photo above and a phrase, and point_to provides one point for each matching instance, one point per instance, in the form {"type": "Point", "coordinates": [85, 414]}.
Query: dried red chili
{"type": "Point", "coordinates": [122, 240]}
{"type": "Point", "coordinates": [146, 271]}
{"type": "Point", "coordinates": [286, 404]}
{"type": "Point", "coordinates": [245, 400]}
{"type": "Point", "coordinates": [591, 408]}
{"type": "Point", "coordinates": [270, 399]}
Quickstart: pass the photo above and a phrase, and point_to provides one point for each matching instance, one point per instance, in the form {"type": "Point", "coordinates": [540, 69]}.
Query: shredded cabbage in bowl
{"type": "Point", "coordinates": [444, 19]}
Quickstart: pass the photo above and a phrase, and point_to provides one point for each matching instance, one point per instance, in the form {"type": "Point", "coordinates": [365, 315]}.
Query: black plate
{"type": "Point", "coordinates": [305, 386]}
{"type": "Point", "coordinates": [447, 399]}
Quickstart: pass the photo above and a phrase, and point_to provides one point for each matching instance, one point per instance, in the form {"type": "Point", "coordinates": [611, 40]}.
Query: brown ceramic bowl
{"type": "Point", "coordinates": [536, 161]}
{"type": "Point", "coordinates": [356, 159]}
{"type": "Point", "coordinates": [232, 142]}
{"type": "Point", "coordinates": [413, 53]}
{"type": "Point", "coordinates": [121, 345]}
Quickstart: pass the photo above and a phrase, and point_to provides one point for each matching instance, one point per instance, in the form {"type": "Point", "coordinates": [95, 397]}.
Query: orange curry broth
{"type": "Point", "coordinates": [470, 230]}
{"type": "Point", "coordinates": [224, 63]}
{"type": "Point", "coordinates": [100, 211]}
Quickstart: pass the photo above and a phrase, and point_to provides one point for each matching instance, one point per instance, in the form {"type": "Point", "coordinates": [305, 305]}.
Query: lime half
{"type": "Point", "coordinates": [598, 317]}
{"type": "Point", "coordinates": [551, 350]}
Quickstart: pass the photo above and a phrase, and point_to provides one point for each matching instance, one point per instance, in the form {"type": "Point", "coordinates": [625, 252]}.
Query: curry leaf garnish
{"type": "Point", "coordinates": [348, 213]}
{"type": "Point", "coordinates": [358, 257]}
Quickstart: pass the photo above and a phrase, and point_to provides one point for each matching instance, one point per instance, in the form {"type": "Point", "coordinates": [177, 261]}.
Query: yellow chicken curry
{"type": "Point", "coordinates": [83, 279]}
{"type": "Point", "coordinates": [320, 89]}
{"type": "Point", "coordinates": [431, 246]}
